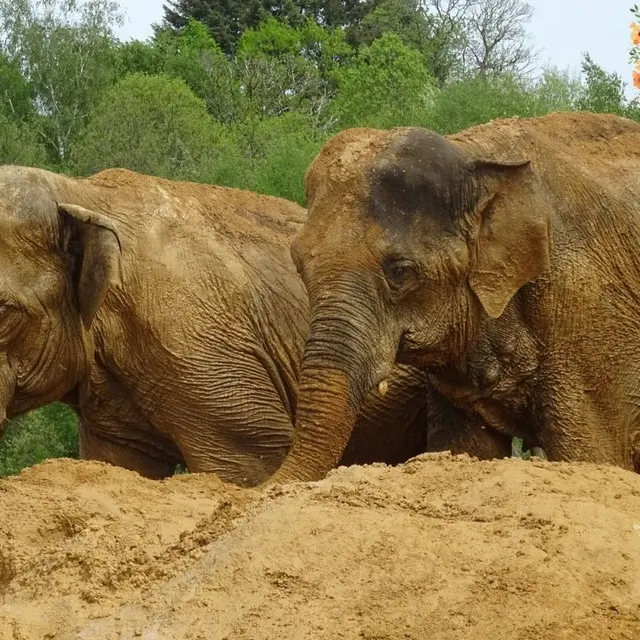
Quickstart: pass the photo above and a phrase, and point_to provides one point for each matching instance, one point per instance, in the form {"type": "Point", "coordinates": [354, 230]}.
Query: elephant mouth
{"type": "Point", "coordinates": [413, 354]}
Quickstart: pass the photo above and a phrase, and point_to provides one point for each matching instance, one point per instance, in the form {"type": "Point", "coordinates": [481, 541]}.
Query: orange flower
{"type": "Point", "coordinates": [636, 78]}
{"type": "Point", "coordinates": [635, 32]}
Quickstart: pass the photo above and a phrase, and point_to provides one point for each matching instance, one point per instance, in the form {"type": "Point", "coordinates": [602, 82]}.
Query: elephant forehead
{"type": "Point", "coordinates": [420, 178]}
{"type": "Point", "coordinates": [342, 161]}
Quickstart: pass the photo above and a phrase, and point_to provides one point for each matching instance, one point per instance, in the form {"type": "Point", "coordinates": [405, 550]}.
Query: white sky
{"type": "Point", "coordinates": [561, 29]}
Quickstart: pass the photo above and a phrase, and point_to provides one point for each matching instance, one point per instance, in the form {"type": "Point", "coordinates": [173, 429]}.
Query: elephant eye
{"type": "Point", "coordinates": [400, 274]}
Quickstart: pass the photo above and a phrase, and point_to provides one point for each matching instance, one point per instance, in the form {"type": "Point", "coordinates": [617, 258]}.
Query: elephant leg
{"type": "Point", "coordinates": [574, 426]}
{"type": "Point", "coordinates": [451, 429]}
{"type": "Point", "coordinates": [102, 449]}
{"type": "Point", "coordinates": [538, 452]}
{"type": "Point", "coordinates": [240, 427]}
{"type": "Point", "coordinates": [113, 430]}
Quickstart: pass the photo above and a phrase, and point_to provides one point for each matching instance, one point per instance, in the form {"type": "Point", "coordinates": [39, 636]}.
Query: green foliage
{"type": "Point", "coordinates": [19, 138]}
{"type": "Point", "coordinates": [326, 48]}
{"type": "Point", "coordinates": [272, 155]}
{"type": "Point", "coordinates": [151, 124]}
{"type": "Point", "coordinates": [19, 144]}
{"type": "Point", "coordinates": [227, 20]}
{"type": "Point", "coordinates": [15, 92]}
{"type": "Point", "coordinates": [138, 57]}
{"type": "Point", "coordinates": [338, 13]}
{"type": "Point", "coordinates": [405, 18]}
{"type": "Point", "coordinates": [478, 99]}
{"type": "Point", "coordinates": [418, 29]}
{"type": "Point", "coordinates": [271, 38]}
{"type": "Point", "coordinates": [603, 92]}
{"type": "Point", "coordinates": [289, 148]}
{"type": "Point", "coordinates": [388, 85]}
{"type": "Point", "coordinates": [556, 91]}
{"type": "Point", "coordinates": [50, 432]}
{"type": "Point", "coordinates": [64, 51]}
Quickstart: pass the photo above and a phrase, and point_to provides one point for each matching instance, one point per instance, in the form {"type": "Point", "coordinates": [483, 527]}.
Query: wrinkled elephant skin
{"type": "Point", "coordinates": [172, 317]}
{"type": "Point", "coordinates": [503, 261]}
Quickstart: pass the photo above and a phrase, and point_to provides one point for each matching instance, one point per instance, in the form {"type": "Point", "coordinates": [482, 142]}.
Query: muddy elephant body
{"type": "Point", "coordinates": [503, 261]}
{"type": "Point", "coordinates": [171, 317]}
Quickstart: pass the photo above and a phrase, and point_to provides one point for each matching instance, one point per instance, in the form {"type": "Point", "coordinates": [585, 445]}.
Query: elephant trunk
{"type": "Point", "coordinates": [341, 364]}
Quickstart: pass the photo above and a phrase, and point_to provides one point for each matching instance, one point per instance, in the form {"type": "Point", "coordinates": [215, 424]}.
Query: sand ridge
{"type": "Point", "coordinates": [441, 547]}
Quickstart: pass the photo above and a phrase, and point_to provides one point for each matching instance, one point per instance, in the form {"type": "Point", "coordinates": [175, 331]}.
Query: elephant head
{"type": "Point", "coordinates": [57, 263]}
{"type": "Point", "coordinates": [411, 242]}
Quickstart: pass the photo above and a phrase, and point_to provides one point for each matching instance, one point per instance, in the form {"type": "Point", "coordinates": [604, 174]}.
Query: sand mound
{"type": "Point", "coordinates": [441, 547]}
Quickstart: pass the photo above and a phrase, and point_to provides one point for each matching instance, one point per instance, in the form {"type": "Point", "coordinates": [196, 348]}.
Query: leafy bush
{"type": "Point", "coordinates": [476, 100]}
{"type": "Point", "coordinates": [289, 148]}
{"type": "Point", "coordinates": [19, 144]}
{"type": "Point", "coordinates": [151, 124]}
{"type": "Point", "coordinates": [387, 86]}
{"type": "Point", "coordinates": [50, 432]}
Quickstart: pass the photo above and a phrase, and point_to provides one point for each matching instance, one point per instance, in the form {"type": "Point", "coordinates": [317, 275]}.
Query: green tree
{"type": "Point", "coordinates": [602, 92]}
{"type": "Point", "coordinates": [271, 155]}
{"type": "Point", "coordinates": [417, 28]}
{"type": "Point", "coordinates": [556, 91]}
{"type": "Point", "coordinates": [344, 14]}
{"type": "Point", "coordinates": [227, 20]}
{"type": "Point", "coordinates": [388, 85]}
{"type": "Point", "coordinates": [16, 99]}
{"type": "Point", "coordinates": [195, 57]}
{"type": "Point", "coordinates": [478, 99]}
{"type": "Point", "coordinates": [19, 143]}
{"type": "Point", "coordinates": [135, 56]}
{"type": "Point", "coordinates": [151, 124]}
{"type": "Point", "coordinates": [406, 18]}
{"type": "Point", "coordinates": [282, 69]}
{"type": "Point", "coordinates": [64, 50]}
{"type": "Point", "coordinates": [191, 55]}
{"type": "Point", "coordinates": [270, 38]}
{"type": "Point", "coordinates": [325, 49]}
{"type": "Point", "coordinates": [290, 143]}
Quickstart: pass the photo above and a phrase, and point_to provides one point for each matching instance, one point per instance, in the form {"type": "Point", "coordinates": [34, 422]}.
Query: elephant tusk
{"type": "Point", "coordinates": [383, 387]}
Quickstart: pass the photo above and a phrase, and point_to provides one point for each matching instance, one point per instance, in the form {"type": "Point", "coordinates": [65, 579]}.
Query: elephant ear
{"type": "Point", "coordinates": [95, 249]}
{"type": "Point", "coordinates": [514, 239]}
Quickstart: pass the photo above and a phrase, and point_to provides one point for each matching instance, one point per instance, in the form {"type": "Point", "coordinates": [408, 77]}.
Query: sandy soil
{"type": "Point", "coordinates": [441, 547]}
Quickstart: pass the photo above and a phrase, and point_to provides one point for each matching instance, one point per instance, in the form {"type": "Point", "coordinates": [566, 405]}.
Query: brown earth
{"type": "Point", "coordinates": [441, 547]}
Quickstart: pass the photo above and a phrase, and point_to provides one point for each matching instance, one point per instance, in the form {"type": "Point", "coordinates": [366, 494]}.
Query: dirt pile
{"type": "Point", "coordinates": [441, 547]}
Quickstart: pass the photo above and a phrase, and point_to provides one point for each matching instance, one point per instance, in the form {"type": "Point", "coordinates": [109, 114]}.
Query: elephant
{"type": "Point", "coordinates": [170, 316]}
{"type": "Point", "coordinates": [503, 261]}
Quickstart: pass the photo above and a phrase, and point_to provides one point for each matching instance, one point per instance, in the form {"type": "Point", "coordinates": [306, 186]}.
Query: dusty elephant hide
{"type": "Point", "coordinates": [171, 316]}
{"type": "Point", "coordinates": [503, 261]}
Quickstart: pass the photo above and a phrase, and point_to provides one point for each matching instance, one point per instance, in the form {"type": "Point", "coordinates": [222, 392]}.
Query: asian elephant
{"type": "Point", "coordinates": [504, 261]}
{"type": "Point", "coordinates": [171, 316]}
